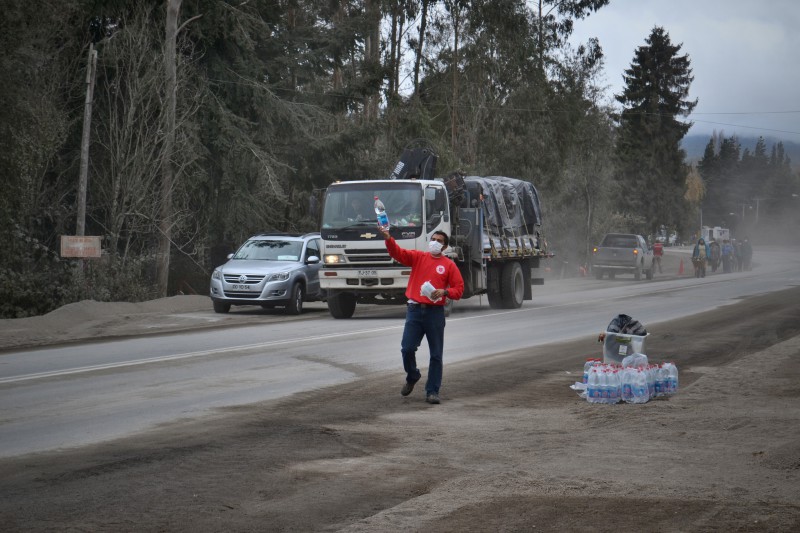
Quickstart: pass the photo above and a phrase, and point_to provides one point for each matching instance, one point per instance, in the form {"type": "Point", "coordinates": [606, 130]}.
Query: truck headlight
{"type": "Point", "coordinates": [334, 259]}
{"type": "Point", "coordinates": [280, 276]}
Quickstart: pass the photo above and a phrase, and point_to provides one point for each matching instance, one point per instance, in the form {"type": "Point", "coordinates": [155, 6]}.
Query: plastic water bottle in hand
{"type": "Point", "coordinates": [380, 211]}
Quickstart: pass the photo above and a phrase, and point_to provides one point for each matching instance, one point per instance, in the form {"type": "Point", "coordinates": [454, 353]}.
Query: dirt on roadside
{"type": "Point", "coordinates": [510, 448]}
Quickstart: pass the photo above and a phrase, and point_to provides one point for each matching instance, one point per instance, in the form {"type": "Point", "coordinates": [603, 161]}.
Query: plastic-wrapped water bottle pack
{"type": "Point", "coordinates": [634, 381]}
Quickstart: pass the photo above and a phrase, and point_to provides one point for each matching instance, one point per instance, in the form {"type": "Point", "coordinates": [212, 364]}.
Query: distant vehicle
{"type": "Point", "coordinates": [624, 253]}
{"type": "Point", "coordinates": [270, 270]}
{"type": "Point", "coordinates": [715, 234]}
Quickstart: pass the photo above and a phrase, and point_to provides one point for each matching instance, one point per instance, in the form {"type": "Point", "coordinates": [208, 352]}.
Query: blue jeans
{"type": "Point", "coordinates": [428, 322]}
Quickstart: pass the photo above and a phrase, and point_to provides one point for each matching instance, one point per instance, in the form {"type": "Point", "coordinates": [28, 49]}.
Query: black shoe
{"type": "Point", "coordinates": [407, 388]}
{"type": "Point", "coordinates": [432, 398]}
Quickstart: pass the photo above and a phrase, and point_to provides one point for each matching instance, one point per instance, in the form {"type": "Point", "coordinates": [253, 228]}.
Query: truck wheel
{"type": "Point", "coordinates": [495, 300]}
{"type": "Point", "coordinates": [295, 305]}
{"type": "Point", "coordinates": [494, 287]}
{"type": "Point", "coordinates": [220, 307]}
{"type": "Point", "coordinates": [512, 286]}
{"type": "Point", "coordinates": [598, 274]}
{"type": "Point", "coordinates": [342, 305]}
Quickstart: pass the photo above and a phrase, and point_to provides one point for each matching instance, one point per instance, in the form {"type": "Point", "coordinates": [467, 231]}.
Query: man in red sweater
{"type": "Point", "coordinates": [425, 314]}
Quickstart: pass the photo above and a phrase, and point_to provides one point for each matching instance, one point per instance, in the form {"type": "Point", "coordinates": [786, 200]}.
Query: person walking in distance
{"type": "Point", "coordinates": [699, 256]}
{"type": "Point", "coordinates": [425, 314]}
{"type": "Point", "coordinates": [658, 253]}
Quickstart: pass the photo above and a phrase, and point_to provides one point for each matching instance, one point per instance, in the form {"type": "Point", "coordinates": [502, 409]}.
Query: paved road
{"type": "Point", "coordinates": [73, 395]}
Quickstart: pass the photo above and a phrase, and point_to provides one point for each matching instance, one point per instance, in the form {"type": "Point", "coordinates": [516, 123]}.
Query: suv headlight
{"type": "Point", "coordinates": [280, 276]}
{"type": "Point", "coordinates": [334, 259]}
{"type": "Point", "coordinates": [216, 274]}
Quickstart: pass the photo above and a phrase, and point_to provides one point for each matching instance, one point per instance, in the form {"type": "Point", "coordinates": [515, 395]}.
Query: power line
{"type": "Point", "coordinates": [746, 127]}
{"type": "Point", "coordinates": [746, 113]}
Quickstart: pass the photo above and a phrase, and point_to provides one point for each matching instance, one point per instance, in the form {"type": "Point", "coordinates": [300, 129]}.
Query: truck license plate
{"type": "Point", "coordinates": [368, 273]}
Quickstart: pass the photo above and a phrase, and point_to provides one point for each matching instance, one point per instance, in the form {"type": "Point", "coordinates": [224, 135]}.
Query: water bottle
{"type": "Point", "coordinates": [651, 381]}
{"type": "Point", "coordinates": [593, 386]}
{"type": "Point", "coordinates": [587, 366]}
{"type": "Point", "coordinates": [627, 381]}
{"type": "Point", "coordinates": [662, 377]}
{"type": "Point", "coordinates": [672, 378]}
{"type": "Point", "coordinates": [614, 387]}
{"type": "Point", "coordinates": [608, 387]}
{"type": "Point", "coordinates": [641, 394]}
{"type": "Point", "coordinates": [380, 211]}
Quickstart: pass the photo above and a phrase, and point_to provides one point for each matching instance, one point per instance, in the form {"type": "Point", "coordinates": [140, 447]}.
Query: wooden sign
{"type": "Point", "coordinates": [73, 246]}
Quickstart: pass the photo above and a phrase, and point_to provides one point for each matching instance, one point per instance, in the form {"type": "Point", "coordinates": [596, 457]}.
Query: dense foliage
{"type": "Point", "coordinates": [276, 99]}
{"type": "Point", "coordinates": [754, 193]}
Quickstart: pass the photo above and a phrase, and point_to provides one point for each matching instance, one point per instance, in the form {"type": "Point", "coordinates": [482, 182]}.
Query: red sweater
{"type": "Point", "coordinates": [440, 271]}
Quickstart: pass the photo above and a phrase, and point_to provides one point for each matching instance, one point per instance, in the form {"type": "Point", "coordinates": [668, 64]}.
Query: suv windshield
{"type": "Point", "coordinates": [270, 250]}
{"type": "Point", "coordinates": [352, 204]}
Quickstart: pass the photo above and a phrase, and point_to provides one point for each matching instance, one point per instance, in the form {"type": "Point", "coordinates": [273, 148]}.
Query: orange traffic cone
{"type": "Point", "coordinates": [680, 268]}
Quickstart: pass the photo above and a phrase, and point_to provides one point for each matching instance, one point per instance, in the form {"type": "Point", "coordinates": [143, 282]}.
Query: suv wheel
{"type": "Point", "coordinates": [295, 305]}
{"type": "Point", "coordinates": [220, 307]}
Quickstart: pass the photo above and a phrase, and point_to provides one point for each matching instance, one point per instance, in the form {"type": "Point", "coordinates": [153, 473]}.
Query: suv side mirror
{"type": "Point", "coordinates": [312, 260]}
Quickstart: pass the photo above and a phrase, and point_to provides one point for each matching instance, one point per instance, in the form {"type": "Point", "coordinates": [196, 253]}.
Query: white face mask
{"type": "Point", "coordinates": [435, 247]}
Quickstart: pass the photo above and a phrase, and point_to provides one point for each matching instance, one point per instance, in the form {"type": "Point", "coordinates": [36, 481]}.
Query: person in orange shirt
{"type": "Point", "coordinates": [425, 314]}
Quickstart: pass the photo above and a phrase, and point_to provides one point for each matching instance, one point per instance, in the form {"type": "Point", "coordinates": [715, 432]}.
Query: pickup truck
{"type": "Point", "coordinates": [626, 253]}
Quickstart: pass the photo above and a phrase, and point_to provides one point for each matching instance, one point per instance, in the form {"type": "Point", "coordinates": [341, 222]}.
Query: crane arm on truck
{"type": "Point", "coordinates": [415, 163]}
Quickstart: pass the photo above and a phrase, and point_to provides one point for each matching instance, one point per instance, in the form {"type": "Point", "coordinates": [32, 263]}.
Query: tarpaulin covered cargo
{"type": "Point", "coordinates": [511, 205]}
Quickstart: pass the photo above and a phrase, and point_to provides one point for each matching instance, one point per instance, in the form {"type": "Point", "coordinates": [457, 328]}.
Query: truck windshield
{"type": "Point", "coordinates": [353, 204]}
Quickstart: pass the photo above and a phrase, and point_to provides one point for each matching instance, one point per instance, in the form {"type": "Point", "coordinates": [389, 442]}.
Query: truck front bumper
{"type": "Point", "coordinates": [364, 279]}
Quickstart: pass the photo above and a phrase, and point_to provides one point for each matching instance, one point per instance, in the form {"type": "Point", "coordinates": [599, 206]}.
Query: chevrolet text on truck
{"type": "Point", "coordinates": [494, 224]}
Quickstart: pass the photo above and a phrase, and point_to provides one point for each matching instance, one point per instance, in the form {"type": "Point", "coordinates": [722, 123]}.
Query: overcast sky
{"type": "Point", "coordinates": [745, 57]}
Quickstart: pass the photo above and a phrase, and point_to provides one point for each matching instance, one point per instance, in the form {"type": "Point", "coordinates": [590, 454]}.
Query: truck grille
{"type": "Point", "coordinates": [356, 255]}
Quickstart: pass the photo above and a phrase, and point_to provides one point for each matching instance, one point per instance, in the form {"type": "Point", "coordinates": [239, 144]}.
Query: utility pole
{"type": "Point", "coordinates": [91, 69]}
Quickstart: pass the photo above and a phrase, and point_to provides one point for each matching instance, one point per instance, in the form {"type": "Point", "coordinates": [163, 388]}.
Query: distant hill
{"type": "Point", "coordinates": [695, 145]}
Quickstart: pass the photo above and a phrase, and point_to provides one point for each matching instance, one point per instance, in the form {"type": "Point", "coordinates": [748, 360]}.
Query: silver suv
{"type": "Point", "coordinates": [270, 269]}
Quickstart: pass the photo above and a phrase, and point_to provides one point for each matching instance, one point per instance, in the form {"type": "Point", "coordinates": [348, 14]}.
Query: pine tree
{"type": "Point", "coordinates": [652, 172]}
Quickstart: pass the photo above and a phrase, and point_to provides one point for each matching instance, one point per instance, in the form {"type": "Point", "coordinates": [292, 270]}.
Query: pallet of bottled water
{"type": "Point", "coordinates": [635, 380]}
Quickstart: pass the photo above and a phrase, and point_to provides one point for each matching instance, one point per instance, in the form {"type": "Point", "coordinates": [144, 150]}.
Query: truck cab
{"type": "Point", "coordinates": [356, 266]}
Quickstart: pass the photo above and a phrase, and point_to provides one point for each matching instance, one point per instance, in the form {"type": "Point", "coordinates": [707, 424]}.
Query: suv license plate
{"type": "Point", "coordinates": [368, 273]}
{"type": "Point", "coordinates": [241, 287]}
